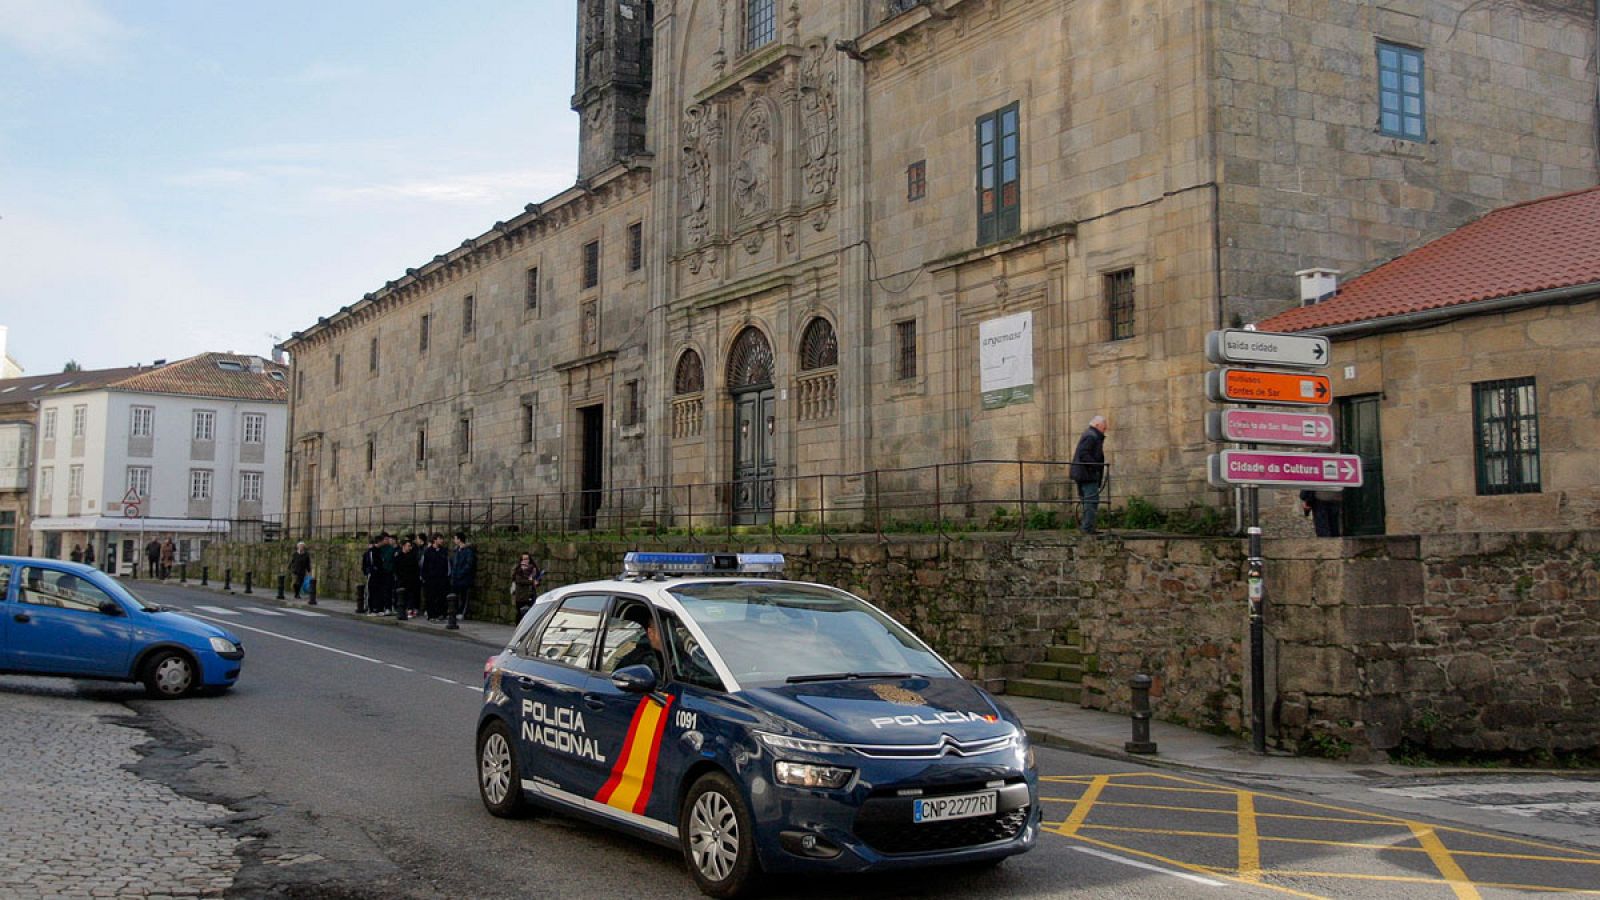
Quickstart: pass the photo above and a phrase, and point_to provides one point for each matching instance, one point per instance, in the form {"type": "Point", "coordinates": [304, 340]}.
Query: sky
{"type": "Point", "coordinates": [183, 176]}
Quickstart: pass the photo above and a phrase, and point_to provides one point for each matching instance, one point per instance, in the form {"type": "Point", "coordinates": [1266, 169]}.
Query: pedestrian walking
{"type": "Point", "coordinates": [300, 570]}
{"type": "Point", "coordinates": [77, 553]}
{"type": "Point", "coordinates": [169, 555]}
{"type": "Point", "coordinates": [380, 597]}
{"type": "Point", "coordinates": [369, 565]}
{"type": "Point", "coordinates": [407, 569]}
{"type": "Point", "coordinates": [1089, 469]}
{"type": "Point", "coordinates": [152, 556]}
{"type": "Point", "coordinates": [525, 578]}
{"type": "Point", "coordinates": [463, 574]}
{"type": "Point", "coordinates": [88, 554]}
{"type": "Point", "coordinates": [1326, 509]}
{"type": "Point", "coordinates": [435, 577]}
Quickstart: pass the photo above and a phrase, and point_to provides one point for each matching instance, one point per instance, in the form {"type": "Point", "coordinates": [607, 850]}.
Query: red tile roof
{"type": "Point", "coordinates": [32, 387]}
{"type": "Point", "coordinates": [1535, 246]}
{"type": "Point", "coordinates": [245, 378]}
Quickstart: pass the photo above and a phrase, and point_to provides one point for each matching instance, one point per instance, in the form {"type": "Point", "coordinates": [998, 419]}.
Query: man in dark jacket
{"type": "Point", "coordinates": [299, 568]}
{"type": "Point", "coordinates": [463, 573]}
{"type": "Point", "coordinates": [369, 567]}
{"type": "Point", "coordinates": [435, 577]}
{"type": "Point", "coordinates": [1089, 469]}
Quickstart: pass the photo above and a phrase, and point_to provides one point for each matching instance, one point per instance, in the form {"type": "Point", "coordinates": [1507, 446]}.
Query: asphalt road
{"type": "Point", "coordinates": [347, 750]}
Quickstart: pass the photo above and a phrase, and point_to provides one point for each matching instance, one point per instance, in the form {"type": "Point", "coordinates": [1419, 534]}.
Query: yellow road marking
{"type": "Point", "coordinates": [1417, 879]}
{"type": "Point", "coordinates": [1444, 862]}
{"type": "Point", "coordinates": [1227, 812]}
{"type": "Point", "coordinates": [1080, 811]}
{"type": "Point", "coordinates": [1249, 842]}
{"type": "Point", "coordinates": [1192, 867]}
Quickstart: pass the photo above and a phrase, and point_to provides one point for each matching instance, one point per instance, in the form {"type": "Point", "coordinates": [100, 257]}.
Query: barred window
{"type": "Point", "coordinates": [422, 333]}
{"type": "Point", "coordinates": [905, 340]}
{"type": "Point", "coordinates": [422, 447]}
{"type": "Point", "coordinates": [1505, 426]}
{"type": "Point", "coordinates": [469, 309]}
{"type": "Point", "coordinates": [1119, 303]}
{"type": "Point", "coordinates": [750, 360]}
{"type": "Point", "coordinates": [591, 264]}
{"type": "Point", "coordinates": [372, 356]}
{"type": "Point", "coordinates": [635, 246]}
{"type": "Point", "coordinates": [689, 378]}
{"type": "Point", "coordinates": [372, 453]}
{"type": "Point", "coordinates": [530, 290]}
{"type": "Point", "coordinates": [819, 347]}
{"type": "Point", "coordinates": [760, 23]}
{"type": "Point", "coordinates": [917, 180]}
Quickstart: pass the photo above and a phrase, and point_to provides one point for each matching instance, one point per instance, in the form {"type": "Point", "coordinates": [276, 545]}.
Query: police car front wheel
{"type": "Point", "coordinates": [719, 837]}
{"type": "Point", "coordinates": [499, 777]}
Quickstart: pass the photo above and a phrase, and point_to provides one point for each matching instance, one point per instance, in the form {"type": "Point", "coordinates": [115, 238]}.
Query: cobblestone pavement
{"type": "Point", "coordinates": [1567, 800]}
{"type": "Point", "coordinates": [76, 822]}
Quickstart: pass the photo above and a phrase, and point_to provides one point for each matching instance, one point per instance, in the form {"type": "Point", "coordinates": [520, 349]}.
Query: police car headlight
{"type": "Point", "coordinates": [223, 645]}
{"type": "Point", "coordinates": [801, 745]}
{"type": "Point", "coordinates": [812, 776]}
{"type": "Point", "coordinates": [1027, 754]}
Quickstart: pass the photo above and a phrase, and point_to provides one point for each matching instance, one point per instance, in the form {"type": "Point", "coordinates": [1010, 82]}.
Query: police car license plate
{"type": "Point", "coordinates": [959, 806]}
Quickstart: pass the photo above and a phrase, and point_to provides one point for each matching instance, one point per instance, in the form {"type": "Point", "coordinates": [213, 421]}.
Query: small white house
{"type": "Point", "coordinates": [187, 451]}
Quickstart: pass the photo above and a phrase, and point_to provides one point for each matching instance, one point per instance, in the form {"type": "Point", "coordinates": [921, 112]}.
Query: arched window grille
{"type": "Point", "coordinates": [690, 376]}
{"type": "Point", "coordinates": [819, 347]}
{"type": "Point", "coordinates": [750, 362]}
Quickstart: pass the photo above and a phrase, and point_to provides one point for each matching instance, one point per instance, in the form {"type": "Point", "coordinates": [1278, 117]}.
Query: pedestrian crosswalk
{"type": "Point", "coordinates": [217, 610]}
{"type": "Point", "coordinates": [260, 611]}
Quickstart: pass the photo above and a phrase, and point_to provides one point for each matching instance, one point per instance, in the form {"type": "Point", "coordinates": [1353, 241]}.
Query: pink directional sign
{"type": "Point", "coordinates": [1301, 470]}
{"type": "Point", "coordinates": [1259, 426]}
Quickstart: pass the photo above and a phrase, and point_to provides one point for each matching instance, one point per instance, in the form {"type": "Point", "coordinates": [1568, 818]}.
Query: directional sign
{"type": "Point", "coordinates": [1265, 386]}
{"type": "Point", "coordinates": [1262, 426]}
{"type": "Point", "coordinates": [1321, 471]}
{"type": "Point", "coordinates": [1235, 345]}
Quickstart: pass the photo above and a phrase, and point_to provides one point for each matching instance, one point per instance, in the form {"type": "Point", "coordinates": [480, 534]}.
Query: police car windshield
{"type": "Point", "coordinates": [776, 633]}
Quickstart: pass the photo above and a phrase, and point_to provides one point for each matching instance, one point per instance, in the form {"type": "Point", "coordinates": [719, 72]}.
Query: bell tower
{"type": "Point", "coordinates": [613, 80]}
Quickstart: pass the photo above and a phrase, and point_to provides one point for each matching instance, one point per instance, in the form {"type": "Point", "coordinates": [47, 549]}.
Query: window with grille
{"type": "Point", "coordinates": [917, 180]}
{"type": "Point", "coordinates": [200, 484]}
{"type": "Point", "coordinates": [896, 7]}
{"type": "Point", "coordinates": [1119, 304]}
{"type": "Point", "coordinates": [750, 360]}
{"type": "Point", "coordinates": [905, 349]}
{"type": "Point", "coordinates": [635, 246]}
{"type": "Point", "coordinates": [760, 23]}
{"type": "Point", "coordinates": [819, 347]}
{"type": "Point", "coordinates": [1400, 98]}
{"type": "Point", "coordinates": [468, 314]}
{"type": "Point", "coordinates": [1505, 427]}
{"type": "Point", "coordinates": [530, 289]}
{"type": "Point", "coordinates": [422, 333]}
{"type": "Point", "coordinates": [689, 377]}
{"type": "Point", "coordinates": [142, 421]}
{"type": "Point", "coordinates": [591, 264]}
{"type": "Point", "coordinates": [999, 175]}
{"type": "Point", "coordinates": [139, 481]}
{"type": "Point", "coordinates": [205, 425]}
{"type": "Point", "coordinates": [250, 487]}
{"type": "Point", "coordinates": [255, 428]}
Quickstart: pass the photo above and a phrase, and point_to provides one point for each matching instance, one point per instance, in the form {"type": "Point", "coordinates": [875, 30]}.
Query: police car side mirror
{"type": "Point", "coordinates": [634, 679]}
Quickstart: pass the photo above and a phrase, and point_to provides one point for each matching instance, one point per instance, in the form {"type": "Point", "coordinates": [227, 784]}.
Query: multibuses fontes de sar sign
{"type": "Point", "coordinates": [761, 725]}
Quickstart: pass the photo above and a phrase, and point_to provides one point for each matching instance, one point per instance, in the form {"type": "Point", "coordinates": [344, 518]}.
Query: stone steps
{"type": "Point", "coordinates": [1059, 677]}
{"type": "Point", "coordinates": [1045, 689]}
{"type": "Point", "coordinates": [1055, 671]}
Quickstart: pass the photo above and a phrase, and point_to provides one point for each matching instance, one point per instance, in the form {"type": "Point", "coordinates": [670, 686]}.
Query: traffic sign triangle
{"type": "Point", "coordinates": [132, 496]}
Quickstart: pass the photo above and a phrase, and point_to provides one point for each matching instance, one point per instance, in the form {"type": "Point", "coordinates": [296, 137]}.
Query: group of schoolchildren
{"type": "Point", "coordinates": [416, 575]}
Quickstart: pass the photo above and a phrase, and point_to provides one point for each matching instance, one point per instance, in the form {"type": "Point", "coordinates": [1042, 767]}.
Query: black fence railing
{"type": "Point", "coordinates": [990, 495]}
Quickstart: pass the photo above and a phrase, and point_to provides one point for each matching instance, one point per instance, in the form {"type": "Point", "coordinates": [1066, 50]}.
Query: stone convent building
{"type": "Point", "coordinates": [810, 239]}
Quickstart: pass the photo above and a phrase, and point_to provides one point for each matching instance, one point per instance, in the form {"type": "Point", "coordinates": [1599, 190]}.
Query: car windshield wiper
{"type": "Point", "coordinates": [846, 676]}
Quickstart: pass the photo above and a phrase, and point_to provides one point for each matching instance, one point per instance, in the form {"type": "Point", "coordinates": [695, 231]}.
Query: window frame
{"type": "Point", "coordinates": [75, 482]}
{"type": "Point", "coordinates": [1005, 219]}
{"type": "Point", "coordinates": [203, 424]}
{"type": "Point", "coordinates": [1392, 99]}
{"type": "Point", "coordinates": [372, 356]}
{"type": "Point", "coordinates": [250, 487]}
{"type": "Point", "coordinates": [636, 246]}
{"type": "Point", "coordinates": [80, 420]}
{"type": "Point", "coordinates": [253, 428]}
{"type": "Point", "coordinates": [530, 288]}
{"type": "Point", "coordinates": [47, 482]}
{"type": "Point", "coordinates": [529, 411]}
{"type": "Point", "coordinates": [338, 370]}
{"type": "Point", "coordinates": [422, 448]}
{"type": "Point", "coordinates": [917, 181]}
{"type": "Point", "coordinates": [469, 315]}
{"type": "Point", "coordinates": [424, 329]}
{"type": "Point", "coordinates": [588, 663]}
{"type": "Point", "coordinates": [201, 482]}
{"type": "Point", "coordinates": [137, 480]}
{"type": "Point", "coordinates": [591, 265]}
{"type": "Point", "coordinates": [762, 15]}
{"type": "Point", "coordinates": [1513, 424]}
{"type": "Point", "coordinates": [905, 350]}
{"type": "Point", "coordinates": [48, 428]}
{"type": "Point", "coordinates": [464, 437]}
{"type": "Point", "coordinates": [141, 421]}
{"type": "Point", "coordinates": [1121, 292]}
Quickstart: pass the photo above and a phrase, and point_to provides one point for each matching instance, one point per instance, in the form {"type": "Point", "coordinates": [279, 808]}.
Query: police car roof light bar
{"type": "Point", "coordinates": [653, 563]}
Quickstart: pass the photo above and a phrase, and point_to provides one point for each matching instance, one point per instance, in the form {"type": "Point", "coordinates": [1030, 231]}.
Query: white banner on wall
{"type": "Point", "coordinates": [1005, 360]}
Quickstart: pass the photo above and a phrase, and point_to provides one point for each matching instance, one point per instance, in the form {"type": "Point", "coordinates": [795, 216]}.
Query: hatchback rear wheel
{"type": "Point", "coordinates": [718, 837]}
{"type": "Point", "coordinates": [499, 778]}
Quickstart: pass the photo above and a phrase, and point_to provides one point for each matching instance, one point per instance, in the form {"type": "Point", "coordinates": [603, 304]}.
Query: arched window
{"type": "Point", "coordinates": [819, 348]}
{"type": "Point", "coordinates": [750, 361]}
{"type": "Point", "coordinates": [690, 376]}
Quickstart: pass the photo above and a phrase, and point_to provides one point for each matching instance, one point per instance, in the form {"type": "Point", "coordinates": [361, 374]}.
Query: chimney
{"type": "Point", "coordinates": [1317, 285]}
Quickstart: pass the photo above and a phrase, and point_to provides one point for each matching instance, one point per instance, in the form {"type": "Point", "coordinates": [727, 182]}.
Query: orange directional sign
{"type": "Point", "coordinates": [1267, 386]}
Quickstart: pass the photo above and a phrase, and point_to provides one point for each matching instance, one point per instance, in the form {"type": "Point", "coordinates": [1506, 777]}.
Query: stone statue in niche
{"type": "Point", "coordinates": [752, 175]}
{"type": "Point", "coordinates": [591, 325]}
{"type": "Point", "coordinates": [696, 174]}
{"type": "Point", "coordinates": [818, 117]}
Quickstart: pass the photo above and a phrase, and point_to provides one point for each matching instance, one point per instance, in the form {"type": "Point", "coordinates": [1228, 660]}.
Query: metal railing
{"type": "Point", "coordinates": [989, 495]}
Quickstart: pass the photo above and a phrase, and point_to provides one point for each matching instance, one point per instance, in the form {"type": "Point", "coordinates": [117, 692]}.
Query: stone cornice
{"type": "Point", "coordinates": [1037, 236]}
{"type": "Point", "coordinates": [582, 361]}
{"type": "Point", "coordinates": [619, 182]}
{"type": "Point", "coordinates": [762, 65]}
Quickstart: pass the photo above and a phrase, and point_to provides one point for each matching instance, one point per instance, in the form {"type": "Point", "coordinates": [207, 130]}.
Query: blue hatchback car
{"type": "Point", "coordinates": [761, 725]}
{"type": "Point", "coordinates": [72, 620]}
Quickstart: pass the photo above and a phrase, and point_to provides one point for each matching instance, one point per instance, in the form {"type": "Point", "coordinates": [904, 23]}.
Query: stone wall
{"type": "Point", "coordinates": [1454, 642]}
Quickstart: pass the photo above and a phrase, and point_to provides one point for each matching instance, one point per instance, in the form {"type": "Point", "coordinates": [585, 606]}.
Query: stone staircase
{"type": "Point", "coordinates": [1059, 677]}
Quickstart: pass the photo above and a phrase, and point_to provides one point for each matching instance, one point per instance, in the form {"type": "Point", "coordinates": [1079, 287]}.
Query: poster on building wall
{"type": "Point", "coordinates": [1005, 360]}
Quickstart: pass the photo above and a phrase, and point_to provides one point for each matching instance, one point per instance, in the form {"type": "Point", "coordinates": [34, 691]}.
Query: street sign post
{"type": "Point", "coordinates": [1265, 348]}
{"type": "Point", "coordinates": [1319, 471]}
{"type": "Point", "coordinates": [1266, 386]}
{"type": "Point", "coordinates": [1262, 426]}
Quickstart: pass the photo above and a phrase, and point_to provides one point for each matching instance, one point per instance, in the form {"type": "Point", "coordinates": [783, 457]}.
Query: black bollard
{"type": "Point", "coordinates": [205, 575]}
{"type": "Point", "coordinates": [450, 613]}
{"type": "Point", "coordinates": [249, 578]}
{"type": "Point", "coordinates": [227, 580]}
{"type": "Point", "coordinates": [280, 586]}
{"type": "Point", "coordinates": [361, 599]}
{"type": "Point", "coordinates": [311, 594]}
{"type": "Point", "coordinates": [183, 573]}
{"type": "Point", "coordinates": [400, 603]}
{"type": "Point", "coordinates": [1141, 742]}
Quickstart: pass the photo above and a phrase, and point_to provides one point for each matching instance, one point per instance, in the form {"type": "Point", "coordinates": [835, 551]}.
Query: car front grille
{"type": "Point", "coordinates": [905, 837]}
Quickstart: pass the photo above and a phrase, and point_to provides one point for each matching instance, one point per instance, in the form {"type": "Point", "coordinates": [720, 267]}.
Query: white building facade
{"type": "Point", "coordinates": [177, 452]}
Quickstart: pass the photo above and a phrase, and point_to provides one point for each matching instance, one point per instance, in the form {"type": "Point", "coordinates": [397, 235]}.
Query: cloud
{"type": "Point", "coordinates": [73, 31]}
{"type": "Point", "coordinates": [466, 188]}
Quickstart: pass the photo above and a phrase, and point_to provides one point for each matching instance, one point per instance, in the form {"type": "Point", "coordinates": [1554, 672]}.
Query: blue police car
{"type": "Point", "coordinates": [72, 620]}
{"type": "Point", "coordinates": [762, 725]}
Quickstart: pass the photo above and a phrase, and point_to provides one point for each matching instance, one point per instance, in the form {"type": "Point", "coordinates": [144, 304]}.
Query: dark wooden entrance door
{"type": "Point", "coordinates": [754, 421]}
{"type": "Point", "coordinates": [592, 472]}
{"type": "Point", "coordinates": [1358, 434]}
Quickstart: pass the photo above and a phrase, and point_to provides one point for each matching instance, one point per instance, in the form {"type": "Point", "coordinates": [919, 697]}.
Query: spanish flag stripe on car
{"type": "Point", "coordinates": [635, 770]}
